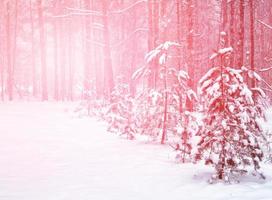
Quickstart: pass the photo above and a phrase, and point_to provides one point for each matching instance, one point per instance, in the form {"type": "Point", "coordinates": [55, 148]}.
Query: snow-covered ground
{"type": "Point", "coordinates": [46, 153]}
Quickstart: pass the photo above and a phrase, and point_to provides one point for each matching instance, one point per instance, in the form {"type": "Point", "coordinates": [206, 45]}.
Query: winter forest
{"type": "Point", "coordinates": [135, 99]}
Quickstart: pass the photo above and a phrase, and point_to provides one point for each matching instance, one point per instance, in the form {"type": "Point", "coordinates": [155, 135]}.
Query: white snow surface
{"type": "Point", "coordinates": [46, 153]}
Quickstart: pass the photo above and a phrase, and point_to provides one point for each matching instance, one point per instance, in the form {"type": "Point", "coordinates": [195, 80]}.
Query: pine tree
{"type": "Point", "coordinates": [120, 110]}
{"type": "Point", "coordinates": [231, 138]}
{"type": "Point", "coordinates": [159, 111]}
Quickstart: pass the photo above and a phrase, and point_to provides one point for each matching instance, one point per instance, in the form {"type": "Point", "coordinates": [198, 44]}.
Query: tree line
{"type": "Point", "coordinates": [61, 49]}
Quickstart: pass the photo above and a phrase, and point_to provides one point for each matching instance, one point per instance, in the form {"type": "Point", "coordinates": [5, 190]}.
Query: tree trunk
{"type": "Point", "coordinates": [33, 67]}
{"type": "Point", "coordinates": [63, 44]}
{"type": "Point", "coordinates": [87, 53]}
{"type": "Point", "coordinates": [43, 52]}
{"type": "Point", "coordinates": [9, 65]}
{"type": "Point", "coordinates": [191, 70]}
{"type": "Point", "coordinates": [150, 42]}
{"type": "Point", "coordinates": [70, 55]}
{"type": "Point", "coordinates": [134, 50]}
{"type": "Point", "coordinates": [178, 6]}
{"type": "Point", "coordinates": [232, 33]}
{"type": "Point", "coordinates": [252, 46]}
{"type": "Point", "coordinates": [240, 46]}
{"type": "Point", "coordinates": [56, 67]}
{"type": "Point", "coordinates": [109, 82]}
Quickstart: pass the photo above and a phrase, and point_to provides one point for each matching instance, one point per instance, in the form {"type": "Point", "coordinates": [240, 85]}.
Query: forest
{"type": "Point", "coordinates": [195, 75]}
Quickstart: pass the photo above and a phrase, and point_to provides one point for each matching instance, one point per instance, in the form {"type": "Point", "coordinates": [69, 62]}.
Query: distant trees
{"type": "Point", "coordinates": [75, 46]}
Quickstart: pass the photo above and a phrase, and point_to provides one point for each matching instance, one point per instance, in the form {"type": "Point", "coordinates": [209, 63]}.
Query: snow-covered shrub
{"type": "Point", "coordinates": [231, 137]}
{"type": "Point", "coordinates": [149, 112]}
{"type": "Point", "coordinates": [181, 122]}
{"type": "Point", "coordinates": [120, 110]}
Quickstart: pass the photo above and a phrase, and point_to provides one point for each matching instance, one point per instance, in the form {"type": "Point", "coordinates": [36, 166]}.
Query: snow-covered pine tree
{"type": "Point", "coordinates": [161, 110]}
{"type": "Point", "coordinates": [120, 110]}
{"type": "Point", "coordinates": [183, 123]}
{"type": "Point", "coordinates": [231, 137]}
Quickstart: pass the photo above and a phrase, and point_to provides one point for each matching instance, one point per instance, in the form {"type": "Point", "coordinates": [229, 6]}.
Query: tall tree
{"type": "Point", "coordinates": [56, 45]}
{"type": "Point", "coordinates": [109, 82]}
{"type": "Point", "coordinates": [34, 81]}
{"type": "Point", "coordinates": [240, 45]}
{"type": "Point", "coordinates": [9, 62]}
{"type": "Point", "coordinates": [189, 57]}
{"type": "Point", "coordinates": [43, 51]}
{"type": "Point", "coordinates": [252, 46]}
{"type": "Point", "coordinates": [87, 53]}
{"type": "Point", "coordinates": [232, 31]}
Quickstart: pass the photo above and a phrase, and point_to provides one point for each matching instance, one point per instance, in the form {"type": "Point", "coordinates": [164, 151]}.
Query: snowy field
{"type": "Point", "coordinates": [46, 153]}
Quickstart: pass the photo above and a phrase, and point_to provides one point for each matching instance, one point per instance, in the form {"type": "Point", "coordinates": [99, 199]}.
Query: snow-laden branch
{"type": "Point", "coordinates": [127, 8]}
{"type": "Point", "coordinates": [265, 24]}
{"type": "Point", "coordinates": [265, 69]}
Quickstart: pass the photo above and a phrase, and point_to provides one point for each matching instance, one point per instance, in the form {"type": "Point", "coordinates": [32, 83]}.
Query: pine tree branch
{"type": "Point", "coordinates": [265, 69]}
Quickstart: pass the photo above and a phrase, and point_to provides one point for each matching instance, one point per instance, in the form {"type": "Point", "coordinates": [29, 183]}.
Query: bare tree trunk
{"type": "Point", "coordinates": [34, 84]}
{"type": "Point", "coordinates": [43, 52]}
{"type": "Point", "coordinates": [240, 46]}
{"type": "Point", "coordinates": [107, 51]}
{"type": "Point", "coordinates": [156, 20]}
{"type": "Point", "coordinates": [14, 50]}
{"type": "Point", "coordinates": [191, 70]}
{"type": "Point", "coordinates": [178, 6]}
{"type": "Point", "coordinates": [232, 32]}
{"type": "Point", "coordinates": [87, 53]}
{"type": "Point", "coordinates": [63, 60]}
{"type": "Point", "coordinates": [9, 65]}
{"type": "Point", "coordinates": [150, 41]}
{"type": "Point", "coordinates": [134, 48]}
{"type": "Point", "coordinates": [56, 66]}
{"type": "Point", "coordinates": [70, 55]}
{"type": "Point", "coordinates": [252, 46]}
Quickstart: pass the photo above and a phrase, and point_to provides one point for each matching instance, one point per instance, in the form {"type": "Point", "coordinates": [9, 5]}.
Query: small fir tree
{"type": "Point", "coordinates": [231, 137]}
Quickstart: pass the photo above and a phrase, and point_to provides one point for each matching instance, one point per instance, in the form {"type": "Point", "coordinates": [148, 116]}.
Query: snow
{"type": "Point", "coordinates": [47, 153]}
{"type": "Point", "coordinates": [225, 50]}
